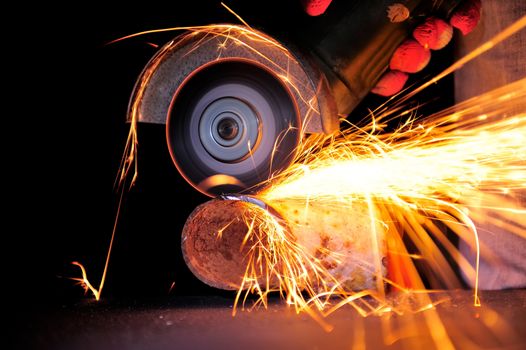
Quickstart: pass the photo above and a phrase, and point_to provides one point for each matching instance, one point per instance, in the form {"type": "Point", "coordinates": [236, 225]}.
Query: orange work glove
{"type": "Point", "coordinates": [415, 53]}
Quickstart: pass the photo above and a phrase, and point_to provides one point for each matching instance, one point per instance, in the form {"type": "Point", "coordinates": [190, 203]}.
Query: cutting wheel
{"type": "Point", "coordinates": [231, 125]}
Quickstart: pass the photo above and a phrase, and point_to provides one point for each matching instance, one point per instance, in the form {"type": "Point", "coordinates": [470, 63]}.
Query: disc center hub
{"type": "Point", "coordinates": [229, 129]}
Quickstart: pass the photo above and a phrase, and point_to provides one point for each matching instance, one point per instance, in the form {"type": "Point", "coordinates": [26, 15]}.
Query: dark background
{"type": "Point", "coordinates": [74, 121]}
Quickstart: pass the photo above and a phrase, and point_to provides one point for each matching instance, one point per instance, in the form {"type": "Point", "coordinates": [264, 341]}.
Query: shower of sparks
{"type": "Point", "coordinates": [453, 171]}
{"type": "Point", "coordinates": [457, 169]}
{"type": "Point", "coordinates": [460, 167]}
{"type": "Point", "coordinates": [463, 166]}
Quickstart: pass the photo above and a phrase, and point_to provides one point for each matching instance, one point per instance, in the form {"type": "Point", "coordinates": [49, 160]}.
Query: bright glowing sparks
{"type": "Point", "coordinates": [447, 172]}
{"type": "Point", "coordinates": [416, 161]}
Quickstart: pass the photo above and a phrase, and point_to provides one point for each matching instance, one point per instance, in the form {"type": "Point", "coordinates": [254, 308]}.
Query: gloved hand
{"type": "Point", "coordinates": [414, 53]}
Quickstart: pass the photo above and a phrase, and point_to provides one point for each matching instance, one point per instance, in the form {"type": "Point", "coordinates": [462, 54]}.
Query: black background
{"type": "Point", "coordinates": [75, 91]}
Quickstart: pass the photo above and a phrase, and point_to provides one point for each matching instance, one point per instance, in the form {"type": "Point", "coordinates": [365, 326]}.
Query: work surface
{"type": "Point", "coordinates": [207, 323]}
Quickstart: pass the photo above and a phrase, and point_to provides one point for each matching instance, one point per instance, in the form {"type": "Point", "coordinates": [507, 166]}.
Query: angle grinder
{"type": "Point", "coordinates": [236, 102]}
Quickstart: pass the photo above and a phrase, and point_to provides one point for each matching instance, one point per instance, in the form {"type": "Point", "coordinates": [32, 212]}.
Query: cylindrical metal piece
{"type": "Point", "coordinates": [212, 240]}
{"type": "Point", "coordinates": [344, 242]}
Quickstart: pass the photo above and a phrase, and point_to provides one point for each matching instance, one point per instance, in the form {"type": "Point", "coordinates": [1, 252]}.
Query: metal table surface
{"type": "Point", "coordinates": [207, 323]}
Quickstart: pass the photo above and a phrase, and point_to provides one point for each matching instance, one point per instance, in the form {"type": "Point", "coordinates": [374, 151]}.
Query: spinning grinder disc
{"type": "Point", "coordinates": [232, 125]}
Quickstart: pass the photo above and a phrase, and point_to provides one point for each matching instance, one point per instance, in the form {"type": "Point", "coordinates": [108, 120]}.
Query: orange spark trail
{"type": "Point", "coordinates": [439, 174]}
{"type": "Point", "coordinates": [84, 280]}
{"type": "Point", "coordinates": [445, 171]}
{"type": "Point", "coordinates": [450, 168]}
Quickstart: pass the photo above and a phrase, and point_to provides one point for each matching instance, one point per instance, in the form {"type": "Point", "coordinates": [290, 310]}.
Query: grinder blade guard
{"type": "Point", "coordinates": [235, 103]}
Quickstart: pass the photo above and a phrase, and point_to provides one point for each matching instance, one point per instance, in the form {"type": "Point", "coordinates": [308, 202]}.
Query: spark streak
{"type": "Point", "coordinates": [449, 170]}
{"type": "Point", "coordinates": [446, 172]}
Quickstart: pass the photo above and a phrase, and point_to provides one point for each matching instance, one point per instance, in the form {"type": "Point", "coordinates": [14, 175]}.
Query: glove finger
{"type": "Point", "coordinates": [315, 7]}
{"type": "Point", "coordinates": [410, 57]}
{"type": "Point", "coordinates": [467, 16]}
{"type": "Point", "coordinates": [434, 33]}
{"type": "Point", "coordinates": [390, 83]}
